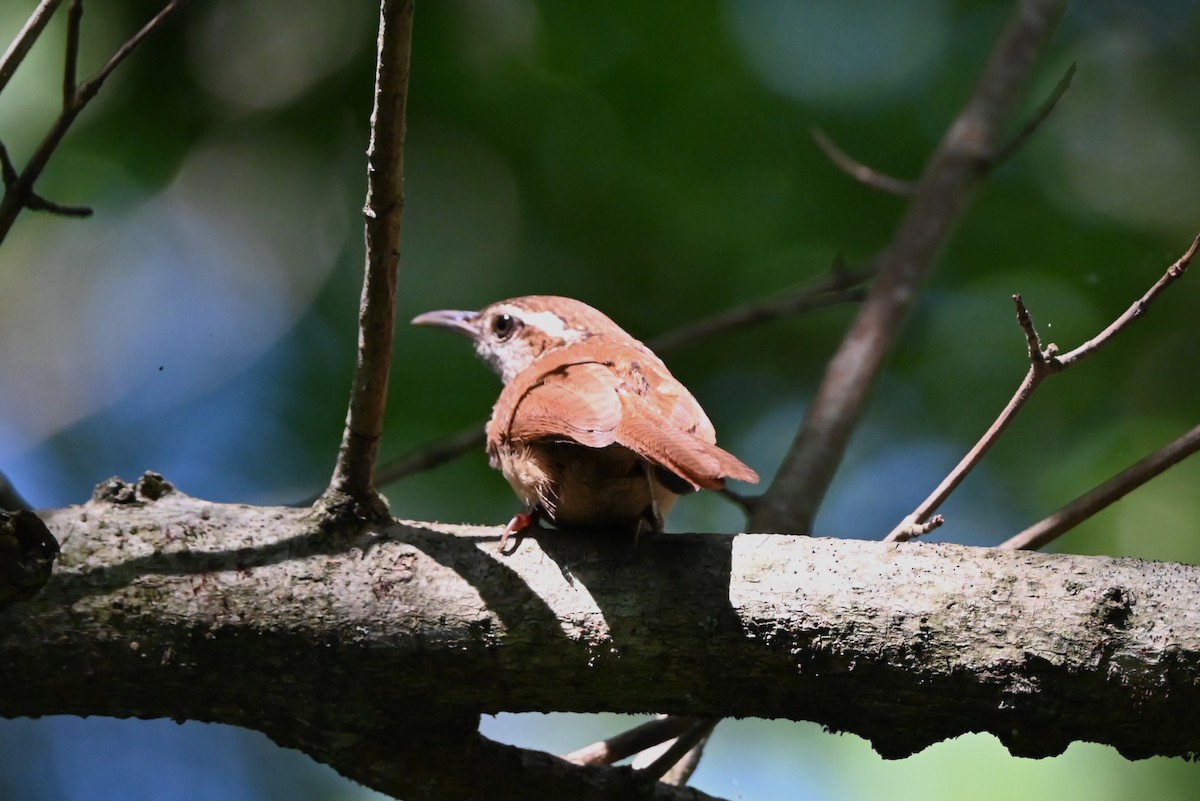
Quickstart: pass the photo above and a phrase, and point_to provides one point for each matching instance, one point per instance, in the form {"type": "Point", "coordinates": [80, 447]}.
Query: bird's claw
{"type": "Point", "coordinates": [520, 522]}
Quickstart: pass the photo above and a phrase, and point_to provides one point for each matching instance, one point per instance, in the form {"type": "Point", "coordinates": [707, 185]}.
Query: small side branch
{"type": "Point", "coordinates": [28, 34]}
{"type": "Point", "coordinates": [868, 176]}
{"type": "Point", "coordinates": [432, 455]}
{"type": "Point", "coordinates": [632, 741]}
{"type": "Point", "coordinates": [678, 761]}
{"type": "Point", "coordinates": [840, 285]}
{"type": "Point", "coordinates": [353, 480]}
{"type": "Point", "coordinates": [1043, 362]}
{"type": "Point", "coordinates": [1108, 493]}
{"type": "Point", "coordinates": [88, 89]}
{"type": "Point", "coordinates": [1035, 122]}
{"type": "Point", "coordinates": [1135, 311]}
{"type": "Point", "coordinates": [18, 188]}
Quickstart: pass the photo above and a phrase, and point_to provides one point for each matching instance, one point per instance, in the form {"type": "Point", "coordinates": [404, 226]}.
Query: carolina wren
{"type": "Point", "coordinates": [591, 429]}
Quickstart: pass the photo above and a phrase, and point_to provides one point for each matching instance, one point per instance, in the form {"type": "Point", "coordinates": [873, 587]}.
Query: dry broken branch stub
{"type": "Point", "coordinates": [1035, 122]}
{"type": "Point", "coordinates": [27, 554]}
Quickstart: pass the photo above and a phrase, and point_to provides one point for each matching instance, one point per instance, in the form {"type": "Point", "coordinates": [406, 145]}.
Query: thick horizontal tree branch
{"type": "Point", "coordinates": [377, 650]}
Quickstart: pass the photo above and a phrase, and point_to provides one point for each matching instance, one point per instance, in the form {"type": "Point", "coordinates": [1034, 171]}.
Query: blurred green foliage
{"type": "Point", "coordinates": [655, 160]}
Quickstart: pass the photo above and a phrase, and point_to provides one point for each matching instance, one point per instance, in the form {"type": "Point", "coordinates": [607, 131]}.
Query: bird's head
{"type": "Point", "coordinates": [511, 334]}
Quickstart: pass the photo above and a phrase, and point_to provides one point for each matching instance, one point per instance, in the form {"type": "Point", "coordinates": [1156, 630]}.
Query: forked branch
{"type": "Point", "coordinates": [939, 200]}
{"type": "Point", "coordinates": [18, 186]}
{"type": "Point", "coordinates": [869, 176]}
{"type": "Point", "coordinates": [1043, 362]}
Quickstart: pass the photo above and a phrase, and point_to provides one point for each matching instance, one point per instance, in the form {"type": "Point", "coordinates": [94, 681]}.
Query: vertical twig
{"type": "Point", "coordinates": [353, 475]}
{"type": "Point", "coordinates": [940, 199]}
{"type": "Point", "coordinates": [71, 68]}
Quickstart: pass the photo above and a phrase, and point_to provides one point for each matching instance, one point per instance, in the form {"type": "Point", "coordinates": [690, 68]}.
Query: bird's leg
{"type": "Point", "coordinates": [520, 522]}
{"type": "Point", "coordinates": [652, 518]}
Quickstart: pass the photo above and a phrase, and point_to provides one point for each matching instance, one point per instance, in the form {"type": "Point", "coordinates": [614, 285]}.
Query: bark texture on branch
{"type": "Point", "coordinates": [377, 650]}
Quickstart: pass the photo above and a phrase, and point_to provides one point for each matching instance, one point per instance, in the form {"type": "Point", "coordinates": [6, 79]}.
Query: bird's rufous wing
{"type": "Point", "coordinates": [598, 396]}
{"type": "Point", "coordinates": [572, 402]}
{"type": "Point", "coordinates": [664, 424]}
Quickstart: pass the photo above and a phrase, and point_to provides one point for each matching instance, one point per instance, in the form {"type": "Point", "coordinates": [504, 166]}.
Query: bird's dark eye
{"type": "Point", "coordinates": [505, 325]}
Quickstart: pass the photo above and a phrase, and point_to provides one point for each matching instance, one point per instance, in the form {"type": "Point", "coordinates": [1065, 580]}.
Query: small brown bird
{"type": "Point", "coordinates": [591, 429]}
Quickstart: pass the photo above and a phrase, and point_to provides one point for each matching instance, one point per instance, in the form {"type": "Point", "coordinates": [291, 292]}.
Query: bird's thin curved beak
{"type": "Point", "coordinates": [460, 321]}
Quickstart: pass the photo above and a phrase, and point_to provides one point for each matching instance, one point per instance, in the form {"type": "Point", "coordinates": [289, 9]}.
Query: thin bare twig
{"type": "Point", "coordinates": [941, 198]}
{"type": "Point", "coordinates": [1035, 122]}
{"type": "Point", "coordinates": [38, 203]}
{"type": "Point", "coordinates": [71, 69]}
{"type": "Point", "coordinates": [19, 194]}
{"type": "Point", "coordinates": [1135, 311]}
{"type": "Point", "coordinates": [35, 202]}
{"type": "Point", "coordinates": [840, 285]}
{"type": "Point", "coordinates": [1043, 362]}
{"type": "Point", "coordinates": [868, 176]}
{"type": "Point", "coordinates": [1111, 491]}
{"type": "Point", "coordinates": [88, 89]}
{"type": "Point", "coordinates": [353, 480]}
{"type": "Point", "coordinates": [744, 502]}
{"type": "Point", "coordinates": [432, 455]}
{"type": "Point", "coordinates": [680, 759]}
{"type": "Point", "coordinates": [28, 34]}
{"type": "Point", "coordinates": [632, 741]}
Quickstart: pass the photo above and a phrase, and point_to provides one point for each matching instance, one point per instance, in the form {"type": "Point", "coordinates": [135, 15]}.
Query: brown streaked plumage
{"type": "Point", "coordinates": [591, 429]}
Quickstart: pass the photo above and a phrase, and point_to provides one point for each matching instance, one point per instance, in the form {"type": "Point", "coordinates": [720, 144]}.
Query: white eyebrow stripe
{"type": "Point", "coordinates": [549, 322]}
